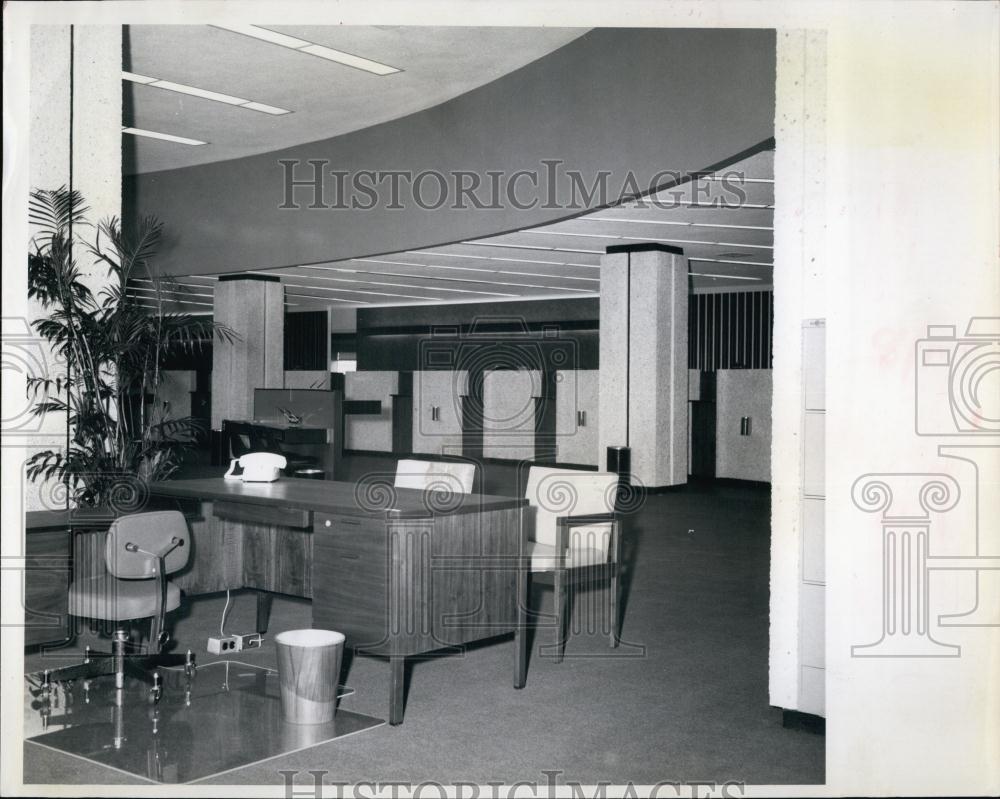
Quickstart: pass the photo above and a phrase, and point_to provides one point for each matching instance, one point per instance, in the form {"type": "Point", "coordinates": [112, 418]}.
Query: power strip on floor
{"type": "Point", "coordinates": [223, 645]}
{"type": "Point", "coordinates": [227, 644]}
{"type": "Point", "coordinates": [251, 641]}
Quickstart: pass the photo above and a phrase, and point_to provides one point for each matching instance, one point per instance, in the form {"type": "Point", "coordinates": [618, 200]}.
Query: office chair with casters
{"type": "Point", "coordinates": [574, 537]}
{"type": "Point", "coordinates": [453, 476]}
{"type": "Point", "coordinates": [141, 550]}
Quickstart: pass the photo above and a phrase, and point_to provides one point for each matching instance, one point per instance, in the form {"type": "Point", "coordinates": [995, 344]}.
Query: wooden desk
{"type": "Point", "coordinates": [399, 571]}
{"type": "Point", "coordinates": [47, 564]}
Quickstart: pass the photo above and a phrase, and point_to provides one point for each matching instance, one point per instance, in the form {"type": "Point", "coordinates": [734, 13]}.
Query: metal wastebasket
{"type": "Point", "coordinates": [620, 462]}
{"type": "Point", "coordinates": [308, 673]}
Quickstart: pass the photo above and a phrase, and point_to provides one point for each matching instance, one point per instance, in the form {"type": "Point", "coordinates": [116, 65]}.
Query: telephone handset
{"type": "Point", "coordinates": [258, 467]}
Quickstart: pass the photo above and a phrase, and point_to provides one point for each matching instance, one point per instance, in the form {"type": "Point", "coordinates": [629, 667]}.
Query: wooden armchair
{"type": "Point", "coordinates": [575, 537]}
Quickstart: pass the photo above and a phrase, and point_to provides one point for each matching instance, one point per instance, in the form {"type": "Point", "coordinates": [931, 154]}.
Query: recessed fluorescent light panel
{"type": "Point", "coordinates": [205, 94]}
{"type": "Point", "coordinates": [303, 46]}
{"type": "Point", "coordinates": [151, 134]}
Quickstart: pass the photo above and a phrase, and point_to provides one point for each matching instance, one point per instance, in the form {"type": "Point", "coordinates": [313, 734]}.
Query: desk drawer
{"type": "Point", "coordinates": [350, 579]}
{"type": "Point", "coordinates": [46, 587]}
{"type": "Point", "coordinates": [263, 514]}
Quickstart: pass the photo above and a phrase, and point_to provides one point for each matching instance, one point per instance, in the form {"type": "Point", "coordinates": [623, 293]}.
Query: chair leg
{"type": "Point", "coordinates": [264, 599]}
{"type": "Point", "coordinates": [613, 605]}
{"type": "Point", "coordinates": [397, 682]}
{"type": "Point", "coordinates": [559, 598]}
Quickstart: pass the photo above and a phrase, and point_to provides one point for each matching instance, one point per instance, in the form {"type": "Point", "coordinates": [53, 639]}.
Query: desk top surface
{"type": "Point", "coordinates": [327, 496]}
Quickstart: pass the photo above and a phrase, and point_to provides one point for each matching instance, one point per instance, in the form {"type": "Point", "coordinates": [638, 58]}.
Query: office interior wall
{"type": "Point", "coordinates": [799, 293]}
{"type": "Point", "coordinates": [85, 155]}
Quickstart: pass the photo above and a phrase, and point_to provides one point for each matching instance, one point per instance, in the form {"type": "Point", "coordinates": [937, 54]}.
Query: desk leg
{"type": "Point", "coordinates": [264, 599]}
{"type": "Point", "coordinates": [397, 664]}
{"type": "Point", "coordinates": [521, 631]}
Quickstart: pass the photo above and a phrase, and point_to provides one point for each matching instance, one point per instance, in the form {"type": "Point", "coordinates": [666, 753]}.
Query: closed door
{"type": "Point", "coordinates": [437, 412]}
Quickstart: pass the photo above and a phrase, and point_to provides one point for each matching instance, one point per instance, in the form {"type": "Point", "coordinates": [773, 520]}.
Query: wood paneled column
{"type": "Point", "coordinates": [644, 360]}
{"type": "Point", "coordinates": [254, 308]}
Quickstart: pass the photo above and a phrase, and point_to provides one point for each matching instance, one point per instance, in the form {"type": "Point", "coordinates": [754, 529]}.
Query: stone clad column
{"type": "Point", "coordinates": [643, 400]}
{"type": "Point", "coordinates": [254, 308]}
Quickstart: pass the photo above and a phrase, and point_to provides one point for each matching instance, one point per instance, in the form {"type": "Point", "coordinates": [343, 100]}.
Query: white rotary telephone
{"type": "Point", "coordinates": [258, 467]}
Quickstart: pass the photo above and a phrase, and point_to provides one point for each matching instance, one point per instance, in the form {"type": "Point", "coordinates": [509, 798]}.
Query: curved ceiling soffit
{"type": "Point", "coordinates": [688, 113]}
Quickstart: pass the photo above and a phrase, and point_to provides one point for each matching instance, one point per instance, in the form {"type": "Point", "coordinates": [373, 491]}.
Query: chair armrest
{"type": "Point", "coordinates": [586, 519]}
{"type": "Point", "coordinates": [565, 523]}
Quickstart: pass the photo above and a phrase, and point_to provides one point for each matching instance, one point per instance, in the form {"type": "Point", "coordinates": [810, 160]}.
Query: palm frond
{"type": "Point", "coordinates": [54, 210]}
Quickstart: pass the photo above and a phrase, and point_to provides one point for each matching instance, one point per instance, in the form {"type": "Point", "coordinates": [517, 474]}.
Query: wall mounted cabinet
{"type": "Point", "coordinates": [510, 406]}
{"type": "Point", "coordinates": [812, 570]}
{"type": "Point", "coordinates": [576, 416]}
{"type": "Point", "coordinates": [371, 432]}
{"type": "Point", "coordinates": [438, 399]}
{"type": "Point", "coordinates": [743, 424]}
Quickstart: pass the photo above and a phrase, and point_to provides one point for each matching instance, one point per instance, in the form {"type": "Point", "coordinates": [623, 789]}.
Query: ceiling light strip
{"type": "Point", "coordinates": [725, 277]}
{"type": "Point", "coordinates": [669, 222]}
{"type": "Point", "coordinates": [531, 247]}
{"type": "Point", "coordinates": [205, 94]}
{"type": "Point", "coordinates": [476, 269]}
{"type": "Point", "coordinates": [359, 291]}
{"type": "Point", "coordinates": [319, 50]}
{"type": "Point", "coordinates": [497, 258]}
{"type": "Point", "coordinates": [397, 285]}
{"type": "Point", "coordinates": [151, 134]}
{"type": "Point", "coordinates": [648, 238]}
{"type": "Point", "coordinates": [174, 302]}
{"type": "Point", "coordinates": [493, 282]}
{"type": "Point", "coordinates": [726, 261]}
{"type": "Point", "coordinates": [644, 203]}
{"type": "Point", "coordinates": [327, 299]}
{"type": "Point", "coordinates": [486, 282]}
{"type": "Point", "coordinates": [732, 177]}
{"type": "Point", "coordinates": [168, 291]}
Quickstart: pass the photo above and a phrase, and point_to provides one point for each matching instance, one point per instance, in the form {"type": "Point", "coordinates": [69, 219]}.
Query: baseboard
{"type": "Point", "coordinates": [797, 720]}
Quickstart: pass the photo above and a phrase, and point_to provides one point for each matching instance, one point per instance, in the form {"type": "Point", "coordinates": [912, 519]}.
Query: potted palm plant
{"type": "Point", "coordinates": [113, 347]}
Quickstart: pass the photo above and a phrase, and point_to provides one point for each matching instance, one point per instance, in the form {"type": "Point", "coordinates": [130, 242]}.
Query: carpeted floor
{"type": "Point", "coordinates": [684, 698]}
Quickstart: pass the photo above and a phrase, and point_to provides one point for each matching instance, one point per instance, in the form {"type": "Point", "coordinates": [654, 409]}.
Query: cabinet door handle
{"type": "Point", "coordinates": [435, 413]}
{"type": "Point", "coordinates": [745, 425]}
{"type": "Point", "coordinates": [581, 418]}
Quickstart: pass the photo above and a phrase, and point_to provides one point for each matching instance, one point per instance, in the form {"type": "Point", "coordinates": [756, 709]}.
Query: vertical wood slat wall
{"type": "Point", "coordinates": [730, 330]}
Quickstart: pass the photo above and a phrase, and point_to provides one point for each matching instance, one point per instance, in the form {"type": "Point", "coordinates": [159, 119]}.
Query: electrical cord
{"type": "Point", "coordinates": [222, 621]}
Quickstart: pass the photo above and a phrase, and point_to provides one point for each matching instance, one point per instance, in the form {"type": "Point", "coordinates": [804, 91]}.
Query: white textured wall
{"type": "Point", "coordinates": [799, 272]}
{"type": "Point", "coordinates": [913, 102]}
{"type": "Point", "coordinates": [96, 173]}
